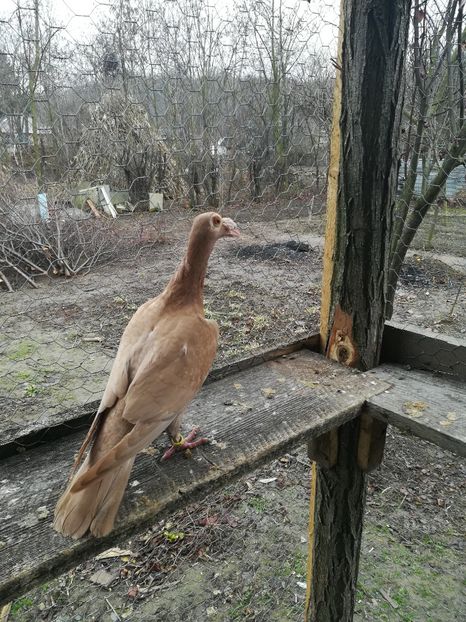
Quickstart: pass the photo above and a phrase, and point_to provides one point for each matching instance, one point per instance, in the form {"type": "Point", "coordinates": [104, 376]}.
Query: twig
{"type": "Point", "coordinates": [25, 260]}
{"type": "Point", "coordinates": [402, 501]}
{"type": "Point", "coordinates": [5, 612]}
{"type": "Point", "coordinates": [112, 608]}
{"type": "Point", "coordinates": [456, 299]}
{"type": "Point", "coordinates": [389, 600]}
{"type": "Point", "coordinates": [6, 281]}
{"type": "Point", "coordinates": [23, 274]}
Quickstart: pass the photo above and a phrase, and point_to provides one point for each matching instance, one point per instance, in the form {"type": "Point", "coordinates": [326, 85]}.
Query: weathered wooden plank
{"type": "Point", "coordinates": [430, 406]}
{"type": "Point", "coordinates": [423, 349]}
{"type": "Point", "coordinates": [18, 438]}
{"type": "Point", "coordinates": [254, 415]}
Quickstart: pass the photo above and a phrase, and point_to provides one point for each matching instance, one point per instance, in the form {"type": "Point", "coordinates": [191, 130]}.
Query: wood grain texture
{"type": "Point", "coordinates": [254, 415]}
{"type": "Point", "coordinates": [371, 444]}
{"type": "Point", "coordinates": [431, 406]}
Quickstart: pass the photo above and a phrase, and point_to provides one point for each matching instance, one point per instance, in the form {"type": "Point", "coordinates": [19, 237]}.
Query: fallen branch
{"type": "Point", "coordinates": [23, 274]}
{"type": "Point", "coordinates": [6, 281]}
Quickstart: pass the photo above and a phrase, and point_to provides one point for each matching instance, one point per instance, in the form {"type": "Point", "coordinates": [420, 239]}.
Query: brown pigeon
{"type": "Point", "coordinates": [164, 356]}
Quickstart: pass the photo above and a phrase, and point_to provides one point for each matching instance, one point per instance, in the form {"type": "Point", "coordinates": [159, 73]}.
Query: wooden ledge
{"type": "Point", "coordinates": [431, 406]}
{"type": "Point", "coordinates": [253, 415]}
{"type": "Point", "coordinates": [19, 438]}
{"type": "Point", "coordinates": [404, 344]}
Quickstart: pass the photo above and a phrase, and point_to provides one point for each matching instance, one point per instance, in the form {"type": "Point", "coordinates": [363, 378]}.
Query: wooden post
{"type": "Point", "coordinates": [361, 191]}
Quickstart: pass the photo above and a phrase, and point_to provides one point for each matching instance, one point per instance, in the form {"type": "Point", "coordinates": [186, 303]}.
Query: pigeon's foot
{"type": "Point", "coordinates": [184, 444]}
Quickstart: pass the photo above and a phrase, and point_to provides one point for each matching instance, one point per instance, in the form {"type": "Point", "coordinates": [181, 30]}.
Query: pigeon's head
{"type": "Point", "coordinates": [215, 226]}
{"type": "Point", "coordinates": [224, 227]}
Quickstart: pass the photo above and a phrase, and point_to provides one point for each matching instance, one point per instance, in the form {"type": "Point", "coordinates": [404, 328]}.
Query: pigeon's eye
{"type": "Point", "coordinates": [216, 220]}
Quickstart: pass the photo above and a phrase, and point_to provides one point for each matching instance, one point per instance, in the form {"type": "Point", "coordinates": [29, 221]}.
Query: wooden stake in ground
{"type": "Point", "coordinates": [361, 191]}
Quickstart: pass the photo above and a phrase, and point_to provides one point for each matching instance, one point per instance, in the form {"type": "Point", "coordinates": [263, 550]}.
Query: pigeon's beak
{"type": "Point", "coordinates": [231, 228]}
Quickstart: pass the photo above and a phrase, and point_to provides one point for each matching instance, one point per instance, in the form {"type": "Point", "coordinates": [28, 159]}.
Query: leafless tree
{"type": "Point", "coordinates": [435, 132]}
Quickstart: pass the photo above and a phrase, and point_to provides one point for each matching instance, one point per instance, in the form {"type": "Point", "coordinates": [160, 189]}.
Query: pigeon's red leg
{"type": "Point", "coordinates": [184, 444]}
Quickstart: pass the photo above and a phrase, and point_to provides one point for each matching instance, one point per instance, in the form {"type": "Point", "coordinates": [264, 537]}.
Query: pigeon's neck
{"type": "Point", "coordinates": [187, 284]}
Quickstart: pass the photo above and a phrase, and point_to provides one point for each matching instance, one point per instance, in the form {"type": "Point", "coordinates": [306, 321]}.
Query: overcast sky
{"type": "Point", "coordinates": [80, 16]}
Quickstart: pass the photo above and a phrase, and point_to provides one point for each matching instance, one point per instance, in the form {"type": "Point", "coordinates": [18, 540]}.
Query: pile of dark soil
{"type": "Point", "coordinates": [291, 250]}
{"type": "Point", "coordinates": [425, 272]}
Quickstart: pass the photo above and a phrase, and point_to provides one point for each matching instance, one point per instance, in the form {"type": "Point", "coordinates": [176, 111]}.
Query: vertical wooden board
{"type": "Point", "coordinates": [332, 197]}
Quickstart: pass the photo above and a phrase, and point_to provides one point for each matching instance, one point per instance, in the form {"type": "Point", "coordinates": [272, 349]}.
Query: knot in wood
{"type": "Point", "coordinates": [343, 350]}
{"type": "Point", "coordinates": [341, 346]}
{"type": "Point", "coordinates": [342, 354]}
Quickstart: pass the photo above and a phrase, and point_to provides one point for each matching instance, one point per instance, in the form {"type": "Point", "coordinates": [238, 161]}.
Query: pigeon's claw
{"type": "Point", "coordinates": [184, 444]}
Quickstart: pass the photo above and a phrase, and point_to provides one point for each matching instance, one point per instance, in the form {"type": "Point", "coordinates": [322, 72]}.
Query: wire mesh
{"type": "Point", "coordinates": [119, 121]}
{"type": "Point", "coordinates": [429, 212]}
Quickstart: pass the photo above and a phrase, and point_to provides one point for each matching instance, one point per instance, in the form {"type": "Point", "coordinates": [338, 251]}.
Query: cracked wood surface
{"type": "Point", "coordinates": [431, 406]}
{"type": "Point", "coordinates": [252, 415]}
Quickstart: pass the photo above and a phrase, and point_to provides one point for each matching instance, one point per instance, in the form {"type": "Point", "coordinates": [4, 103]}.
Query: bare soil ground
{"type": "Point", "coordinates": [240, 555]}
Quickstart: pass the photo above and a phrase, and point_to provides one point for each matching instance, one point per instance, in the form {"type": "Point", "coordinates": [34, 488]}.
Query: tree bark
{"type": "Point", "coordinates": [372, 92]}
{"type": "Point", "coordinates": [361, 196]}
{"type": "Point", "coordinates": [340, 495]}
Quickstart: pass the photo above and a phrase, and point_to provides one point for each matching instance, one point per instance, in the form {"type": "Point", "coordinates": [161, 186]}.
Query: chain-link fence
{"type": "Point", "coordinates": [119, 122]}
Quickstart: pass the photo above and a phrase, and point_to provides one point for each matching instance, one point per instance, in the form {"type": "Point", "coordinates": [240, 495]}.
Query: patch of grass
{"type": "Point", "coordinates": [21, 604]}
{"type": "Point", "coordinates": [249, 601]}
{"type": "Point", "coordinates": [417, 577]}
{"type": "Point", "coordinates": [31, 390]}
{"type": "Point", "coordinates": [238, 611]}
{"type": "Point", "coordinates": [234, 294]}
{"type": "Point", "coordinates": [258, 503]}
{"type": "Point", "coordinates": [22, 375]}
{"type": "Point", "coordinates": [401, 597]}
{"type": "Point", "coordinates": [252, 345]}
{"type": "Point", "coordinates": [434, 544]}
{"type": "Point", "coordinates": [22, 350]}
{"type": "Point", "coordinates": [120, 300]}
{"type": "Point", "coordinates": [296, 565]}
{"type": "Point", "coordinates": [62, 396]}
{"type": "Point", "coordinates": [260, 322]}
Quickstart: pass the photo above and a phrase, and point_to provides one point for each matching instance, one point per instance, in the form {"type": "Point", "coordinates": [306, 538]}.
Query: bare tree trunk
{"type": "Point", "coordinates": [213, 198]}
{"type": "Point", "coordinates": [32, 81]}
{"type": "Point", "coordinates": [255, 174]}
{"type": "Point", "coordinates": [420, 209]}
{"type": "Point", "coordinates": [433, 85]}
{"type": "Point", "coordinates": [196, 185]}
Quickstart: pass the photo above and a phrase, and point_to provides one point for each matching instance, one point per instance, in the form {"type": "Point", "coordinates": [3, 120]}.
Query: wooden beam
{"type": "Point", "coordinates": [361, 191]}
{"type": "Point", "coordinates": [337, 504]}
{"type": "Point", "coordinates": [371, 443]}
{"type": "Point", "coordinates": [431, 406]}
{"type": "Point", "coordinates": [423, 349]}
{"type": "Point", "coordinates": [324, 450]}
{"type": "Point", "coordinates": [253, 415]}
